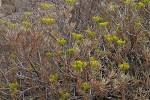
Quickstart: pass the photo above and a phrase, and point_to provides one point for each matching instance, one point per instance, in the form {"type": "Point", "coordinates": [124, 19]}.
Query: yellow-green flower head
{"type": "Point", "coordinates": [115, 38]}
{"type": "Point", "coordinates": [121, 42]}
{"type": "Point", "coordinates": [61, 92]}
{"type": "Point", "coordinates": [14, 91]}
{"type": "Point", "coordinates": [49, 54]}
{"type": "Point", "coordinates": [74, 34]}
{"type": "Point", "coordinates": [98, 51]}
{"type": "Point", "coordinates": [46, 6]}
{"type": "Point", "coordinates": [86, 86]}
{"type": "Point", "coordinates": [53, 78]}
{"type": "Point", "coordinates": [127, 2]}
{"type": "Point", "coordinates": [108, 35]}
{"type": "Point", "coordinates": [126, 40]}
{"type": "Point", "coordinates": [94, 63]}
{"type": "Point", "coordinates": [70, 50]}
{"type": "Point", "coordinates": [14, 70]}
{"type": "Point", "coordinates": [76, 49]}
{"type": "Point", "coordinates": [104, 24]}
{"type": "Point", "coordinates": [90, 33]}
{"type": "Point", "coordinates": [113, 7]}
{"type": "Point", "coordinates": [79, 41]}
{"type": "Point", "coordinates": [48, 20]}
{"type": "Point", "coordinates": [3, 22]}
{"type": "Point", "coordinates": [97, 19]}
{"type": "Point", "coordinates": [27, 24]}
{"type": "Point", "coordinates": [64, 95]}
{"type": "Point", "coordinates": [28, 14]}
{"type": "Point", "coordinates": [30, 69]}
{"type": "Point", "coordinates": [84, 64]}
{"type": "Point", "coordinates": [77, 36]}
{"type": "Point", "coordinates": [61, 52]}
{"type": "Point", "coordinates": [140, 5]}
{"type": "Point", "coordinates": [14, 56]}
{"type": "Point", "coordinates": [138, 24]}
{"type": "Point", "coordinates": [13, 85]}
{"type": "Point", "coordinates": [118, 25]}
{"type": "Point", "coordinates": [61, 41]}
{"type": "Point", "coordinates": [92, 58]}
{"type": "Point", "coordinates": [124, 66]}
{"type": "Point", "coordinates": [109, 38]}
{"type": "Point", "coordinates": [12, 24]}
{"type": "Point", "coordinates": [78, 65]}
{"type": "Point", "coordinates": [146, 1]}
{"type": "Point", "coordinates": [70, 1]}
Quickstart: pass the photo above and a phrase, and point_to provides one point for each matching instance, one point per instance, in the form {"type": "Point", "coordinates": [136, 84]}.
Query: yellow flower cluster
{"type": "Point", "coordinates": [97, 19]}
{"type": "Point", "coordinates": [104, 24]}
{"type": "Point", "coordinates": [127, 2]}
{"type": "Point", "coordinates": [79, 65]}
{"type": "Point", "coordinates": [86, 86]}
{"type": "Point", "coordinates": [46, 6]}
{"type": "Point", "coordinates": [121, 42]}
{"type": "Point", "coordinates": [28, 14]}
{"type": "Point", "coordinates": [64, 95]}
{"type": "Point", "coordinates": [47, 20]}
{"type": "Point", "coordinates": [140, 5]}
{"type": "Point", "coordinates": [27, 24]}
{"type": "Point", "coordinates": [53, 78]}
{"type": "Point", "coordinates": [78, 37]}
{"type": "Point", "coordinates": [109, 38]}
{"type": "Point", "coordinates": [12, 24]}
{"type": "Point", "coordinates": [90, 33]}
{"type": "Point", "coordinates": [49, 54]}
{"type": "Point", "coordinates": [70, 1]}
{"type": "Point", "coordinates": [14, 88]}
{"type": "Point", "coordinates": [124, 66]}
{"type": "Point", "coordinates": [94, 63]}
{"type": "Point", "coordinates": [114, 38]}
{"type": "Point", "coordinates": [61, 41]}
{"type": "Point", "coordinates": [70, 50]}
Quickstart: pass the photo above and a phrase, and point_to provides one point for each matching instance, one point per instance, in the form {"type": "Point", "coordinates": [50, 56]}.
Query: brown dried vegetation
{"type": "Point", "coordinates": [60, 60]}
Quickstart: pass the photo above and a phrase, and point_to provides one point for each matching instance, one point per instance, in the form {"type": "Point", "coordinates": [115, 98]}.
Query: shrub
{"type": "Point", "coordinates": [76, 50]}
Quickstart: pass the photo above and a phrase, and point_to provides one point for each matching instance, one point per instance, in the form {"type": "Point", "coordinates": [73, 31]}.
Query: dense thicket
{"type": "Point", "coordinates": [75, 50]}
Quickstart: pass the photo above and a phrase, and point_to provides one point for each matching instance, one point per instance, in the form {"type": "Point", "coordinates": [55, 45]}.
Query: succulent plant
{"type": "Point", "coordinates": [86, 86]}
